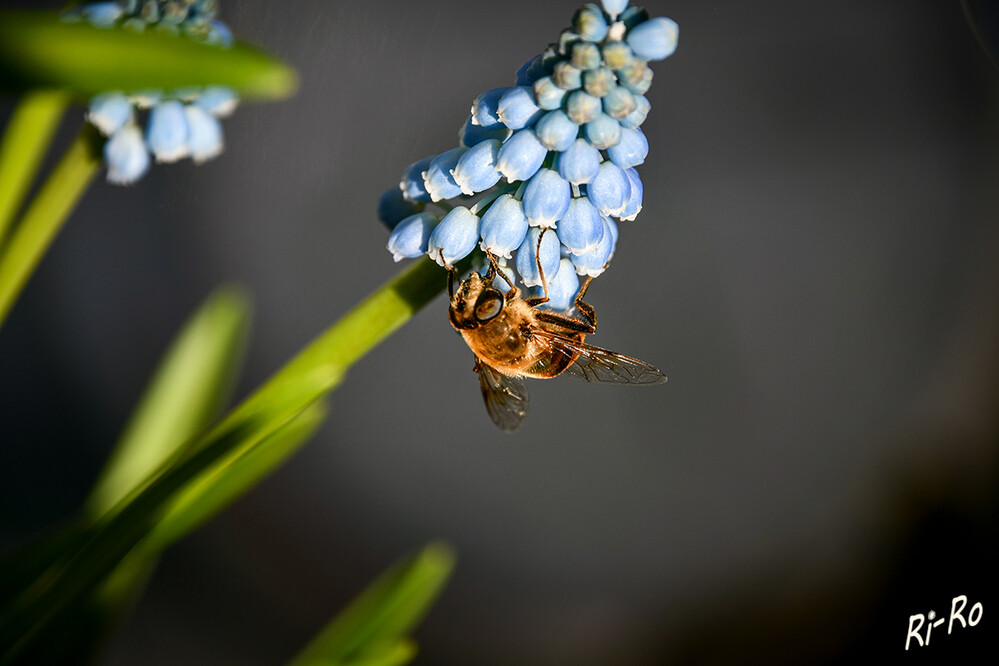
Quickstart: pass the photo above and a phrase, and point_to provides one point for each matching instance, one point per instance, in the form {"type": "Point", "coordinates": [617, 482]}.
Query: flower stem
{"type": "Point", "coordinates": [25, 141]}
{"type": "Point", "coordinates": [45, 215]}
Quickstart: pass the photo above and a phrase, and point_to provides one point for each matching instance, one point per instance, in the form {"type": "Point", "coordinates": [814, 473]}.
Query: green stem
{"type": "Point", "coordinates": [45, 215]}
{"type": "Point", "coordinates": [25, 141]}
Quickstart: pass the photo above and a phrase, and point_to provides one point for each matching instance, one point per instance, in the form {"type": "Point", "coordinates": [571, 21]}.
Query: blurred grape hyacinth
{"type": "Point", "coordinates": [551, 157]}
{"type": "Point", "coordinates": [181, 123]}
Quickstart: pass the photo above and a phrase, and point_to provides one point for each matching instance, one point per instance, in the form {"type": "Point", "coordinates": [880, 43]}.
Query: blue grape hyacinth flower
{"type": "Point", "coordinates": [547, 164]}
{"type": "Point", "coordinates": [180, 123]}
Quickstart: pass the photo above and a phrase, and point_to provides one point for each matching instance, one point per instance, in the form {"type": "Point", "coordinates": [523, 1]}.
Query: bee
{"type": "Point", "coordinates": [512, 338]}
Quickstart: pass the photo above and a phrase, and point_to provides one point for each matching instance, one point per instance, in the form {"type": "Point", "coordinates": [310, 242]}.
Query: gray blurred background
{"type": "Point", "coordinates": [814, 269]}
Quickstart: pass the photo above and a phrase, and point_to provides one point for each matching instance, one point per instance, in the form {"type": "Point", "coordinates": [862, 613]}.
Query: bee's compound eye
{"type": "Point", "coordinates": [488, 306]}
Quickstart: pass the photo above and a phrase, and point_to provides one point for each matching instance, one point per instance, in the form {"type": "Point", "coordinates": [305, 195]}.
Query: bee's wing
{"type": "Point", "coordinates": [602, 366]}
{"type": "Point", "coordinates": [506, 397]}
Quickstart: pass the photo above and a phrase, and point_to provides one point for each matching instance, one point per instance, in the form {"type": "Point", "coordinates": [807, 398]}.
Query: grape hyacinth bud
{"type": "Point", "coordinates": [552, 157]}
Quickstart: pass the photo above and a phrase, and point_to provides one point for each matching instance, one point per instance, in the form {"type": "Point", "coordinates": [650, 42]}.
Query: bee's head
{"type": "Point", "coordinates": [474, 303]}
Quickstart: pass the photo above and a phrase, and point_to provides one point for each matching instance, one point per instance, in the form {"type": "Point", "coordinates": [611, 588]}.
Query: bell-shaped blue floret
{"type": "Point", "coordinates": [631, 150]}
{"type": "Point", "coordinates": [204, 134]}
{"type": "Point", "coordinates": [634, 205]}
{"type": "Point", "coordinates": [485, 107]}
{"type": "Point", "coordinates": [167, 131]}
{"type": "Point", "coordinates": [456, 236]}
{"type": "Point", "coordinates": [556, 131]}
{"type": "Point", "coordinates": [476, 168]}
{"type": "Point", "coordinates": [470, 134]}
{"type": "Point", "coordinates": [219, 34]}
{"type": "Point", "coordinates": [610, 227]}
{"type": "Point", "coordinates": [437, 178]}
{"type": "Point", "coordinates": [520, 156]}
{"type": "Point", "coordinates": [411, 236]}
{"type": "Point", "coordinates": [517, 109]}
{"type": "Point", "coordinates": [126, 156]}
{"type": "Point", "coordinates": [562, 288]}
{"type": "Point", "coordinates": [220, 101]}
{"type": "Point", "coordinates": [549, 253]}
{"type": "Point", "coordinates": [580, 163]}
{"type": "Point", "coordinates": [393, 206]}
{"type": "Point", "coordinates": [102, 14]}
{"type": "Point", "coordinates": [580, 229]}
{"type": "Point", "coordinates": [602, 132]}
{"type": "Point", "coordinates": [618, 102]}
{"type": "Point", "coordinates": [582, 107]}
{"type": "Point", "coordinates": [548, 95]}
{"type": "Point", "coordinates": [593, 262]}
{"type": "Point", "coordinates": [546, 198]}
{"type": "Point", "coordinates": [503, 226]}
{"type": "Point", "coordinates": [654, 39]}
{"type": "Point", "coordinates": [635, 119]}
{"type": "Point", "coordinates": [610, 190]}
{"type": "Point", "coordinates": [589, 23]}
{"type": "Point", "coordinates": [109, 111]}
{"type": "Point", "coordinates": [411, 184]}
{"type": "Point", "coordinates": [614, 7]}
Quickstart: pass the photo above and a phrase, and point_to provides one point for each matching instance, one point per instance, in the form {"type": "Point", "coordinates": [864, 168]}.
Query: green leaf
{"type": "Point", "coordinates": [396, 654]}
{"type": "Point", "coordinates": [223, 461]}
{"type": "Point", "coordinates": [25, 141]}
{"type": "Point", "coordinates": [384, 613]}
{"type": "Point", "coordinates": [221, 484]}
{"type": "Point", "coordinates": [38, 50]}
{"type": "Point", "coordinates": [46, 214]}
{"type": "Point", "coordinates": [187, 390]}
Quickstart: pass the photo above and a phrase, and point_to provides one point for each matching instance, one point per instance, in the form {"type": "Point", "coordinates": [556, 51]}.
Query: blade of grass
{"type": "Point", "coordinates": [45, 215]}
{"type": "Point", "coordinates": [397, 654]}
{"type": "Point", "coordinates": [384, 613]}
{"type": "Point", "coordinates": [187, 390]}
{"type": "Point", "coordinates": [38, 49]}
{"type": "Point", "coordinates": [220, 485]}
{"type": "Point", "coordinates": [305, 380]}
{"type": "Point", "coordinates": [25, 141]}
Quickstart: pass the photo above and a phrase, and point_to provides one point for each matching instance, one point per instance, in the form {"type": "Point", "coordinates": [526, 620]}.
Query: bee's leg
{"type": "Point", "coordinates": [450, 274]}
{"type": "Point", "coordinates": [494, 270]}
{"type": "Point", "coordinates": [585, 309]}
{"type": "Point", "coordinates": [538, 300]}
